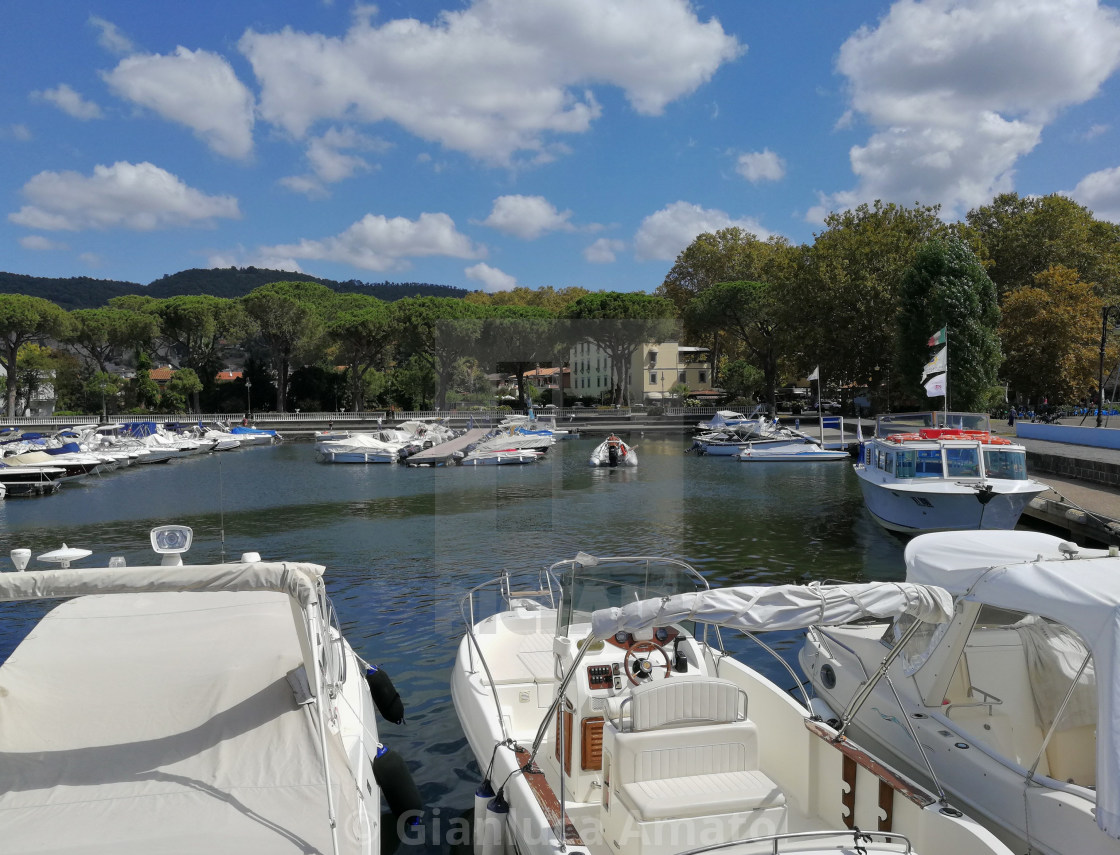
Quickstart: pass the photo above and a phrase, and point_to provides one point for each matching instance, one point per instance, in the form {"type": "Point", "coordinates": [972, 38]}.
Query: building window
{"type": "Point", "coordinates": [703, 376]}
{"type": "Point", "coordinates": [653, 378]}
{"type": "Point", "coordinates": [682, 377]}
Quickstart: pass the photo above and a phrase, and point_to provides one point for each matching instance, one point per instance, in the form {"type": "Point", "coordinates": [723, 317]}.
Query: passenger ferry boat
{"type": "Point", "coordinates": [917, 475]}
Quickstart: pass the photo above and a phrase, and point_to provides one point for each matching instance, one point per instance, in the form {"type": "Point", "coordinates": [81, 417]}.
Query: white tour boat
{"type": "Point", "coordinates": [916, 477]}
{"type": "Point", "coordinates": [1004, 700]}
{"type": "Point", "coordinates": [190, 708]}
{"type": "Point", "coordinates": [607, 720]}
{"type": "Point", "coordinates": [612, 451]}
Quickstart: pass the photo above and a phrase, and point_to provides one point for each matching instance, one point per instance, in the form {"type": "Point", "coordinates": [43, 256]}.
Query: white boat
{"type": "Point", "coordinates": [724, 419]}
{"type": "Point", "coordinates": [358, 448]}
{"type": "Point", "coordinates": [501, 457]}
{"type": "Point", "coordinates": [1005, 699]}
{"type": "Point", "coordinates": [204, 708]}
{"type": "Point", "coordinates": [30, 480]}
{"type": "Point", "coordinates": [917, 479]}
{"type": "Point", "coordinates": [765, 434]}
{"type": "Point", "coordinates": [612, 451]}
{"type": "Point", "coordinates": [802, 452]}
{"type": "Point", "coordinates": [606, 719]}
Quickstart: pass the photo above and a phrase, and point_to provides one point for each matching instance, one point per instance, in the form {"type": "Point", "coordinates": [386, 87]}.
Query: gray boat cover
{"type": "Point", "coordinates": [163, 722]}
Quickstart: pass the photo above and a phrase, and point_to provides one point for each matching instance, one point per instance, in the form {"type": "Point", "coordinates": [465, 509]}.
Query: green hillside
{"type": "Point", "coordinates": [82, 292]}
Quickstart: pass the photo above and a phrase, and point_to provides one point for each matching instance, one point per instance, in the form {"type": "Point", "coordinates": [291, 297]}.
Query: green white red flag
{"type": "Point", "coordinates": [937, 338]}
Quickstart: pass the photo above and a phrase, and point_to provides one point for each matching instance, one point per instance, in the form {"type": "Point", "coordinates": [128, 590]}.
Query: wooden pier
{"type": "Point", "coordinates": [440, 455]}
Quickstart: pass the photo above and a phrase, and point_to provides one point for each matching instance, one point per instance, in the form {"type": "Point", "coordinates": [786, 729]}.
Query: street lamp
{"type": "Point", "coordinates": [1106, 312]}
{"type": "Point", "coordinates": [249, 396]}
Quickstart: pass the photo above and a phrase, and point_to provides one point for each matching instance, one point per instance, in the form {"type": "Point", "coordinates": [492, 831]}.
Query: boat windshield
{"type": "Point", "coordinates": [611, 582]}
{"type": "Point", "coordinates": [1002, 463]}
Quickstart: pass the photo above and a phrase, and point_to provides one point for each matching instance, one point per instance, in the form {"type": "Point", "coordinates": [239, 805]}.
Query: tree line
{"type": "Point", "coordinates": [1020, 285]}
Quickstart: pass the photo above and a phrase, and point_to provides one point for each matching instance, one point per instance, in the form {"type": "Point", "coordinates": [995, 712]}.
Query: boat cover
{"type": "Point", "coordinates": [1029, 572]}
{"type": "Point", "coordinates": [292, 578]}
{"type": "Point", "coordinates": [779, 607]}
{"type": "Point", "coordinates": [164, 723]}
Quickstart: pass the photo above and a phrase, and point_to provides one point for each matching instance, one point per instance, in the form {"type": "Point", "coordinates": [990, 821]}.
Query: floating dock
{"type": "Point", "coordinates": [440, 455]}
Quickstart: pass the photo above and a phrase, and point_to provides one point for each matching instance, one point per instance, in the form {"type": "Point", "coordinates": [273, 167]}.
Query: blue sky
{"type": "Point", "coordinates": [492, 143]}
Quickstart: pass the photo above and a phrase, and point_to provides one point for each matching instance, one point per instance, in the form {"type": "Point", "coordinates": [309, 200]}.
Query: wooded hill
{"type": "Point", "coordinates": [82, 292]}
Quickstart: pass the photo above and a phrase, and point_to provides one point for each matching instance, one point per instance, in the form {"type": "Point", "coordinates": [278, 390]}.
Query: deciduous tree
{"type": "Point", "coordinates": [24, 319]}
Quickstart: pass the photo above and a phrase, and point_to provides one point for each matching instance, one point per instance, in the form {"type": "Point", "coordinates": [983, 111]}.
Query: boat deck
{"type": "Point", "coordinates": [439, 455]}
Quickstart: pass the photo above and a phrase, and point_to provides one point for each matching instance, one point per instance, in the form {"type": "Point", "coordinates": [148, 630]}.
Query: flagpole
{"type": "Point", "coordinates": [946, 328]}
{"type": "Point", "coordinates": [820, 407]}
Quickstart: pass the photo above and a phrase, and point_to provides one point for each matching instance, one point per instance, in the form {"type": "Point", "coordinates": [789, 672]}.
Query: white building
{"type": "Point", "coordinates": [653, 371]}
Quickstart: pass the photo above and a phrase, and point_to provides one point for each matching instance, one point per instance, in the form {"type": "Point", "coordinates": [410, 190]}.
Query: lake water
{"type": "Point", "coordinates": [402, 545]}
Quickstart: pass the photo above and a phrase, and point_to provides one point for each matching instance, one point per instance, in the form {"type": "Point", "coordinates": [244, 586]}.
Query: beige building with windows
{"type": "Point", "coordinates": [653, 371]}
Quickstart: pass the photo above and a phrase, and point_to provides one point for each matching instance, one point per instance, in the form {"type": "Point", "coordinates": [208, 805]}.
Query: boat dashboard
{"type": "Point", "coordinates": [625, 660]}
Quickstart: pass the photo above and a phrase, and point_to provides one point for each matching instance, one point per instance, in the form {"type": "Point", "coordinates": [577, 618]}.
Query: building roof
{"type": "Point", "coordinates": [228, 374]}
{"type": "Point", "coordinates": [161, 375]}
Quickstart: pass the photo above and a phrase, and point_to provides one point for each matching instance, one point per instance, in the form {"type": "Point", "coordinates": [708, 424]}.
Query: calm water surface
{"type": "Point", "coordinates": [402, 545]}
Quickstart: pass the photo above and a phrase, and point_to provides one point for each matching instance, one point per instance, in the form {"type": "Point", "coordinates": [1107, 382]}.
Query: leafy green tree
{"type": "Point", "coordinates": [183, 385]}
{"type": "Point", "coordinates": [362, 334]}
{"type": "Point", "coordinates": [196, 329]}
{"type": "Point", "coordinates": [412, 385]}
{"type": "Point", "coordinates": [1051, 337]}
{"type": "Point", "coordinates": [103, 336]}
{"type": "Point", "coordinates": [36, 372]}
{"type": "Point", "coordinates": [517, 339]}
{"type": "Point", "coordinates": [23, 320]}
{"type": "Point", "coordinates": [843, 307]}
{"type": "Point", "coordinates": [103, 386]}
{"type": "Point", "coordinates": [554, 300]}
{"type": "Point", "coordinates": [289, 317]}
{"type": "Point", "coordinates": [146, 391]}
{"type": "Point", "coordinates": [1019, 237]}
{"type": "Point", "coordinates": [752, 314]}
{"type": "Point", "coordinates": [441, 331]}
{"type": "Point", "coordinates": [742, 380]}
{"type": "Point", "coordinates": [946, 286]}
{"type": "Point", "coordinates": [619, 323]}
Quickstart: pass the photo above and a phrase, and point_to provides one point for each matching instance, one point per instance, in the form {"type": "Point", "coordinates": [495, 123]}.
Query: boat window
{"type": "Point", "coordinates": [927, 463]}
{"type": "Point", "coordinates": [1011, 687]}
{"type": "Point", "coordinates": [962, 462]}
{"type": "Point", "coordinates": [905, 463]}
{"type": "Point", "coordinates": [1000, 463]}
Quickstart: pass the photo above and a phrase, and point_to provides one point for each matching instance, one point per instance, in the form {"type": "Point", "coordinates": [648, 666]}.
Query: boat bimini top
{"type": "Point", "coordinates": [1041, 574]}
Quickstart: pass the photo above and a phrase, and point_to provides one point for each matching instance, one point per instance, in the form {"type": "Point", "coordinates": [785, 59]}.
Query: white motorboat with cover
{"type": "Point", "coordinates": [1005, 699]}
{"type": "Point", "coordinates": [190, 708]}
{"type": "Point", "coordinates": [612, 451]}
{"type": "Point", "coordinates": [918, 477]}
{"type": "Point", "coordinates": [727, 419]}
{"type": "Point", "coordinates": [608, 720]}
{"type": "Point", "coordinates": [797, 452]}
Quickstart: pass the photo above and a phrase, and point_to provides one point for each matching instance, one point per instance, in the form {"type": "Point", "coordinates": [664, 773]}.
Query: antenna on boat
{"type": "Point", "coordinates": [221, 513]}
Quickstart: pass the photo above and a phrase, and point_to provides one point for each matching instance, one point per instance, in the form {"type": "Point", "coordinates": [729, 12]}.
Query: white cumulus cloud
{"type": "Point", "coordinates": [957, 91]}
{"type": "Point", "coordinates": [491, 278]}
{"type": "Point", "coordinates": [499, 79]}
{"type": "Point", "coordinates": [382, 243]}
{"type": "Point", "coordinates": [757, 166]}
{"type": "Point", "coordinates": [665, 233]}
{"type": "Point", "coordinates": [331, 159]}
{"type": "Point", "coordinates": [139, 196]}
{"type": "Point", "coordinates": [198, 89]}
{"type": "Point", "coordinates": [66, 99]}
{"type": "Point", "coordinates": [1100, 193]}
{"type": "Point", "coordinates": [110, 37]}
{"type": "Point", "coordinates": [604, 251]}
{"type": "Point", "coordinates": [38, 243]}
{"type": "Point", "coordinates": [527, 217]}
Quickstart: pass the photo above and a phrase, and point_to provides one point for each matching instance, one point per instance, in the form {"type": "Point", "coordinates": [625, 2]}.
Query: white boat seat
{"type": "Point", "coordinates": [684, 701]}
{"type": "Point", "coordinates": [528, 660]}
{"type": "Point", "coordinates": [540, 664]}
{"type": "Point", "coordinates": [702, 795]}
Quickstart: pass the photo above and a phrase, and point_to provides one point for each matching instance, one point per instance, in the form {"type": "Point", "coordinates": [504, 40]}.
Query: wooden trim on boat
{"type": "Point", "coordinates": [591, 744]}
{"type": "Point", "coordinates": [567, 718]}
{"type": "Point", "coordinates": [546, 798]}
{"type": "Point", "coordinates": [862, 758]}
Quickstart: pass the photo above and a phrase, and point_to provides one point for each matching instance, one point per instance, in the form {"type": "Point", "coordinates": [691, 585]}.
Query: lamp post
{"type": "Point", "coordinates": [1106, 312]}
{"type": "Point", "coordinates": [249, 396]}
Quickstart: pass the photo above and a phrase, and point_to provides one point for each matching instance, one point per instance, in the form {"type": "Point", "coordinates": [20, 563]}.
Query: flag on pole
{"type": "Point", "coordinates": [937, 364]}
{"type": "Point", "coordinates": [937, 338]}
{"type": "Point", "coordinates": [816, 375]}
{"type": "Point", "coordinates": [935, 386]}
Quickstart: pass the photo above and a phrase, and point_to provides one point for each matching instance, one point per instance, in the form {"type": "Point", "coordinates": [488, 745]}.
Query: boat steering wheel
{"type": "Point", "coordinates": [642, 669]}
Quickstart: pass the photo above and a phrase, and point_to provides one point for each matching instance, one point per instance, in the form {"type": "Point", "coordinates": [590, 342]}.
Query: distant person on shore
{"type": "Point", "coordinates": [1011, 417]}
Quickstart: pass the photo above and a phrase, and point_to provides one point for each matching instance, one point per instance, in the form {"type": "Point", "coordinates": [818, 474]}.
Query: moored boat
{"type": "Point", "coordinates": [917, 477]}
{"type": "Point", "coordinates": [242, 722]}
{"type": "Point", "coordinates": [1012, 706]}
{"type": "Point", "coordinates": [606, 718]}
{"type": "Point", "coordinates": [612, 451]}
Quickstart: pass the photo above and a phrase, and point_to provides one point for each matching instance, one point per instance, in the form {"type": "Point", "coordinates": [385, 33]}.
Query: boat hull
{"type": "Point", "coordinates": [910, 509]}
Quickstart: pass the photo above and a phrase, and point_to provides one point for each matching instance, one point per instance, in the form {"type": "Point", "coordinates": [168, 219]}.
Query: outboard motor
{"type": "Point", "coordinates": [612, 455]}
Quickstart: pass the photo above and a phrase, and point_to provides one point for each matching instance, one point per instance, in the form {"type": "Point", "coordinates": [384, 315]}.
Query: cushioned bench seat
{"type": "Point", "coordinates": [702, 795]}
